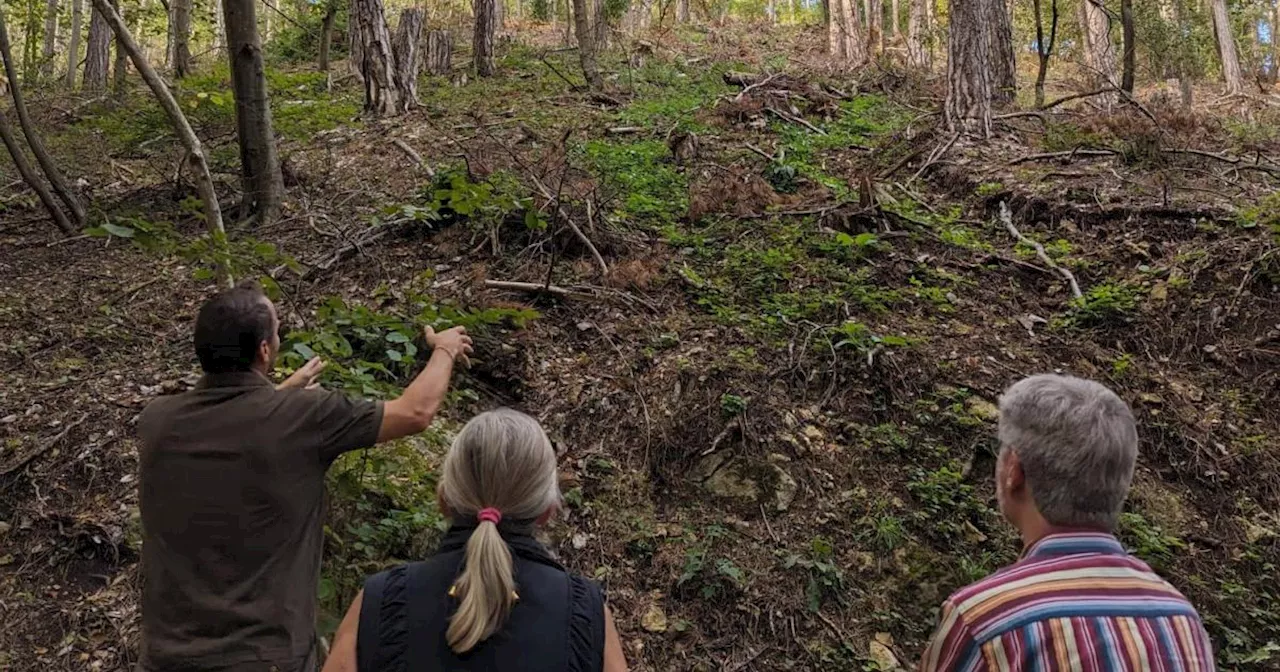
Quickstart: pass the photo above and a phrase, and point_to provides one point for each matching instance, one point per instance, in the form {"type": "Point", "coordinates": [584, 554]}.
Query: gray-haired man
{"type": "Point", "coordinates": [1075, 600]}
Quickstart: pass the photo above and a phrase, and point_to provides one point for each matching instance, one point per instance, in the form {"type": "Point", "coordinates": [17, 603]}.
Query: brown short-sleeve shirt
{"type": "Point", "coordinates": [232, 498]}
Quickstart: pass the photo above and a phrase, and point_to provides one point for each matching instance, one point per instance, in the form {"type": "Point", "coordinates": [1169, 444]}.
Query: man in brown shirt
{"type": "Point", "coordinates": [232, 491]}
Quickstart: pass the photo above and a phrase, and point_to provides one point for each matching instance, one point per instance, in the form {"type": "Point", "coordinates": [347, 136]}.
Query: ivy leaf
{"type": "Point", "coordinates": [304, 350]}
{"type": "Point", "coordinates": [117, 230]}
{"type": "Point", "coordinates": [397, 337]}
{"type": "Point", "coordinates": [394, 355]}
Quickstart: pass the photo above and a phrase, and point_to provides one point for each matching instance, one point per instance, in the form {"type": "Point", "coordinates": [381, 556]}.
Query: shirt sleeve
{"type": "Point", "coordinates": [342, 424]}
{"type": "Point", "coordinates": [952, 646]}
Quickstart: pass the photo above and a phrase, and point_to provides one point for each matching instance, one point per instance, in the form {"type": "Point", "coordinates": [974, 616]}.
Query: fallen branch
{"type": "Point", "coordinates": [374, 233]}
{"type": "Point", "coordinates": [934, 157]}
{"type": "Point", "coordinates": [1060, 155]}
{"type": "Point", "coordinates": [1007, 218]}
{"type": "Point", "coordinates": [795, 120]}
{"type": "Point", "coordinates": [26, 459]}
{"type": "Point", "coordinates": [761, 152]}
{"type": "Point", "coordinates": [1226, 158]}
{"type": "Point", "coordinates": [624, 130]}
{"type": "Point", "coordinates": [755, 85]}
{"type": "Point", "coordinates": [416, 157]}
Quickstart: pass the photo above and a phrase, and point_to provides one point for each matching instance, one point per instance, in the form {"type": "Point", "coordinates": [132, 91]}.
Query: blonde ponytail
{"type": "Point", "coordinates": [501, 465]}
{"type": "Point", "coordinates": [486, 589]}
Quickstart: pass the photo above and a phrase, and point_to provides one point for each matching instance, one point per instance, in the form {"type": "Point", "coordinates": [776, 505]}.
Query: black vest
{"type": "Point", "coordinates": [556, 626]}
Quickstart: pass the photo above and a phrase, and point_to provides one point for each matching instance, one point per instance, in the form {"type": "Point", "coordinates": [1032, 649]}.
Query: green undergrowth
{"type": "Point", "coordinates": [860, 122]}
{"type": "Point", "coordinates": [668, 96]}
{"type": "Point", "coordinates": [644, 187]}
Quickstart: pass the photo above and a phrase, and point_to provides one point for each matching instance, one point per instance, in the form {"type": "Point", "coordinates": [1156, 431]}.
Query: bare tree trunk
{"type": "Point", "coordinates": [326, 36]}
{"type": "Point", "coordinates": [73, 48]}
{"type": "Point", "coordinates": [875, 25]}
{"type": "Point", "coordinates": [1230, 59]}
{"type": "Point", "coordinates": [499, 15]}
{"type": "Point", "coordinates": [195, 152]}
{"type": "Point", "coordinates": [600, 20]}
{"type": "Point", "coordinates": [97, 54]}
{"type": "Point", "coordinates": [1004, 69]}
{"type": "Point", "coordinates": [219, 27]}
{"type": "Point", "coordinates": [1044, 51]}
{"type": "Point", "coordinates": [969, 89]}
{"type": "Point", "coordinates": [181, 29]}
{"type": "Point", "coordinates": [120, 71]}
{"type": "Point", "coordinates": [261, 181]}
{"type": "Point", "coordinates": [1099, 55]}
{"type": "Point", "coordinates": [1275, 41]}
{"type": "Point", "coordinates": [382, 96]}
{"type": "Point", "coordinates": [894, 19]}
{"type": "Point", "coordinates": [35, 141]}
{"type": "Point", "coordinates": [439, 52]}
{"type": "Point", "coordinates": [1130, 47]}
{"type": "Point", "coordinates": [1184, 75]}
{"type": "Point", "coordinates": [682, 11]}
{"type": "Point", "coordinates": [407, 40]}
{"type": "Point", "coordinates": [29, 176]}
{"type": "Point", "coordinates": [50, 37]}
{"type": "Point", "coordinates": [586, 45]}
{"type": "Point", "coordinates": [918, 53]}
{"type": "Point", "coordinates": [355, 47]}
{"type": "Point", "coordinates": [847, 40]}
{"type": "Point", "coordinates": [482, 40]}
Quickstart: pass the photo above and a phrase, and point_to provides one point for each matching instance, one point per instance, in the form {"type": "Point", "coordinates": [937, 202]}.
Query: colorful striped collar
{"type": "Point", "coordinates": [1074, 542]}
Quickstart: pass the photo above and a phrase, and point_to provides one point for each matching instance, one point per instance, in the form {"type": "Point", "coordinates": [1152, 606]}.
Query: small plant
{"type": "Point", "coordinates": [1105, 304]}
{"type": "Point", "coordinates": [825, 577]}
{"type": "Point", "coordinates": [711, 576]}
{"type": "Point", "coordinates": [1121, 365]}
{"type": "Point", "coordinates": [989, 189]}
{"type": "Point", "coordinates": [732, 405]}
{"type": "Point", "coordinates": [783, 178]}
{"type": "Point", "coordinates": [887, 532]}
{"type": "Point", "coordinates": [1148, 540]}
{"type": "Point", "coordinates": [859, 337]}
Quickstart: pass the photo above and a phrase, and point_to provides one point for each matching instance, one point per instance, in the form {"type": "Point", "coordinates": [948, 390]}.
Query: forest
{"type": "Point", "coordinates": [762, 268]}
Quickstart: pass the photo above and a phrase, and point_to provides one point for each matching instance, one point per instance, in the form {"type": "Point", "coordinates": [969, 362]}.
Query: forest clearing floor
{"type": "Point", "coordinates": [776, 408]}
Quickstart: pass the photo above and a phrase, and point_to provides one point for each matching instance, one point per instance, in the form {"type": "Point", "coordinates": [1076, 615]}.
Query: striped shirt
{"type": "Point", "coordinates": [1075, 601]}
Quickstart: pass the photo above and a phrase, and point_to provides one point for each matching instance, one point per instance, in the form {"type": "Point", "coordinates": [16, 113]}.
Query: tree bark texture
{"type": "Point", "coordinates": [37, 146]}
{"type": "Point", "coordinates": [499, 15]}
{"type": "Point", "coordinates": [219, 27]}
{"type": "Point", "coordinates": [1044, 50]}
{"type": "Point", "coordinates": [482, 40]}
{"type": "Point", "coordinates": [682, 11]}
{"type": "Point", "coordinates": [600, 21]}
{"type": "Point", "coordinates": [262, 183]}
{"type": "Point", "coordinates": [969, 86]}
{"type": "Point", "coordinates": [439, 52]}
{"type": "Point", "coordinates": [188, 138]}
{"type": "Point", "coordinates": [50, 39]}
{"type": "Point", "coordinates": [847, 40]}
{"type": "Point", "coordinates": [918, 53]}
{"type": "Point", "coordinates": [382, 95]}
{"type": "Point", "coordinates": [73, 45]}
{"type": "Point", "coordinates": [1004, 69]}
{"type": "Point", "coordinates": [181, 28]}
{"type": "Point", "coordinates": [326, 37]}
{"type": "Point", "coordinates": [120, 70]}
{"type": "Point", "coordinates": [894, 18]}
{"type": "Point", "coordinates": [875, 25]}
{"type": "Point", "coordinates": [586, 44]}
{"type": "Point", "coordinates": [1099, 55]}
{"type": "Point", "coordinates": [1130, 47]}
{"type": "Point", "coordinates": [408, 54]}
{"type": "Point", "coordinates": [1227, 53]}
{"type": "Point", "coordinates": [29, 176]}
{"type": "Point", "coordinates": [97, 53]}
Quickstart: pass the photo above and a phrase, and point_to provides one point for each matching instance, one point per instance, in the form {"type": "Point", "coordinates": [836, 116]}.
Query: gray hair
{"type": "Point", "coordinates": [501, 459]}
{"type": "Point", "coordinates": [1077, 444]}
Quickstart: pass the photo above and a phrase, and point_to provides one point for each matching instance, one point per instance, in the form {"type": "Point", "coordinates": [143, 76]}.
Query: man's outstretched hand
{"type": "Point", "coordinates": [305, 377]}
{"type": "Point", "coordinates": [453, 341]}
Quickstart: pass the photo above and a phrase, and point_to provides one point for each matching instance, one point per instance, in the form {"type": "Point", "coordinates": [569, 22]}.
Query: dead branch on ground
{"type": "Point", "coordinates": [1007, 218]}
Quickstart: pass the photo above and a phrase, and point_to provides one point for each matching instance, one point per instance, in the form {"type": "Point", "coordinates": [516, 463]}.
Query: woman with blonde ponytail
{"type": "Point", "coordinates": [492, 598]}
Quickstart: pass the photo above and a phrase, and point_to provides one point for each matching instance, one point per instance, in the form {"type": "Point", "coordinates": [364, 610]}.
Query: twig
{"type": "Point", "coordinates": [750, 659]}
{"type": "Point", "coordinates": [757, 85]}
{"type": "Point", "coordinates": [934, 157]}
{"type": "Point", "coordinates": [417, 158]}
{"type": "Point", "coordinates": [624, 130]}
{"type": "Point", "coordinates": [761, 152]}
{"type": "Point", "coordinates": [1059, 155]}
{"type": "Point", "coordinates": [1007, 218]}
{"type": "Point", "coordinates": [838, 632]}
{"type": "Point", "coordinates": [538, 287]}
{"type": "Point", "coordinates": [25, 460]}
{"type": "Point", "coordinates": [767, 526]}
{"type": "Point", "coordinates": [1064, 99]}
{"type": "Point", "coordinates": [1225, 158]}
{"type": "Point", "coordinates": [795, 120]}
{"type": "Point", "coordinates": [572, 86]}
{"type": "Point", "coordinates": [724, 433]}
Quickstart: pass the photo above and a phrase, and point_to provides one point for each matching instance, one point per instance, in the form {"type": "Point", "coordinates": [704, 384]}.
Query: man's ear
{"type": "Point", "coordinates": [264, 355]}
{"type": "Point", "coordinates": [1014, 478]}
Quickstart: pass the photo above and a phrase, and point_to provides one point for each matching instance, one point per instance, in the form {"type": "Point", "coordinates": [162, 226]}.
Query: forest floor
{"type": "Point", "coordinates": [775, 408]}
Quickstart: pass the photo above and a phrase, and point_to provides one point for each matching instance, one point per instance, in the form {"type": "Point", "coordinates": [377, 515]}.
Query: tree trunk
{"type": "Point", "coordinates": [120, 71]}
{"type": "Point", "coordinates": [181, 28]}
{"type": "Point", "coordinates": [97, 53]}
{"type": "Point", "coordinates": [847, 40]}
{"type": "Point", "coordinates": [1275, 41]}
{"type": "Point", "coordinates": [482, 40]}
{"type": "Point", "coordinates": [586, 45]}
{"type": "Point", "coordinates": [262, 183]}
{"type": "Point", "coordinates": [682, 11]}
{"type": "Point", "coordinates": [895, 13]}
{"type": "Point", "coordinates": [1184, 74]}
{"type": "Point", "coordinates": [499, 15]}
{"type": "Point", "coordinates": [1099, 55]}
{"type": "Point", "coordinates": [29, 176]}
{"type": "Point", "coordinates": [326, 36]}
{"type": "Point", "coordinates": [195, 152]}
{"type": "Point", "coordinates": [875, 25]}
{"type": "Point", "coordinates": [408, 54]}
{"type": "Point", "coordinates": [1130, 47]}
{"type": "Point", "coordinates": [355, 47]}
{"type": "Point", "coordinates": [969, 87]}
{"type": "Point", "coordinates": [31, 43]}
{"type": "Point", "coordinates": [439, 52]}
{"type": "Point", "coordinates": [35, 141]}
{"type": "Point", "coordinates": [219, 27]}
{"type": "Point", "coordinates": [73, 46]}
{"type": "Point", "coordinates": [382, 95]}
{"type": "Point", "coordinates": [1231, 73]}
{"type": "Point", "coordinates": [1004, 69]}
{"type": "Point", "coordinates": [918, 53]}
{"type": "Point", "coordinates": [600, 20]}
{"type": "Point", "coordinates": [50, 37]}
{"type": "Point", "coordinates": [1044, 51]}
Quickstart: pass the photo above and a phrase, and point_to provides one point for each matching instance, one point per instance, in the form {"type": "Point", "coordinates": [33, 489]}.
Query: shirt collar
{"type": "Point", "coordinates": [233, 379]}
{"type": "Point", "coordinates": [1074, 542]}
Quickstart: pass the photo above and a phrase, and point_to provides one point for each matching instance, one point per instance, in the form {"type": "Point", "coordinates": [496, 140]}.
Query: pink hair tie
{"type": "Point", "coordinates": [490, 515]}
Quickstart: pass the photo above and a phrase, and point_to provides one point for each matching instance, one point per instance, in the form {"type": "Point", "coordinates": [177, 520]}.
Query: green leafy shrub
{"type": "Point", "coordinates": [825, 578]}
{"type": "Point", "coordinates": [1105, 304]}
